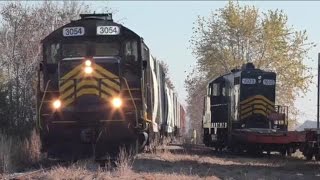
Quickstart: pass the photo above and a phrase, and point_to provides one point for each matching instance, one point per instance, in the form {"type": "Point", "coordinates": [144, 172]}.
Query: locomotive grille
{"type": "Point", "coordinates": [101, 83]}
{"type": "Point", "coordinates": [256, 105]}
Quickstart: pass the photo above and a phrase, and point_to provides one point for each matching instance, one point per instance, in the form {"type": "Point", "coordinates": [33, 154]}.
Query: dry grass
{"type": "Point", "coordinates": [27, 151]}
{"type": "Point", "coordinates": [80, 170]}
{"type": "Point", "coordinates": [206, 165]}
{"type": "Point", "coordinates": [17, 154]}
{"type": "Point", "coordinates": [193, 163]}
{"type": "Point", "coordinates": [5, 151]}
{"type": "Point", "coordinates": [124, 162]}
{"type": "Point", "coordinates": [124, 169]}
{"type": "Point", "coordinates": [76, 172]}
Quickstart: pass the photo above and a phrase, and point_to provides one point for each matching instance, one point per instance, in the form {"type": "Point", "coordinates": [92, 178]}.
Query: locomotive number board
{"type": "Point", "coordinates": [73, 31]}
{"type": "Point", "coordinates": [108, 30]}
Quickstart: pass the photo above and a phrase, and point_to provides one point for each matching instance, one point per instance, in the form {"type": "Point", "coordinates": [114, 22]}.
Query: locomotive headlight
{"type": "Point", "coordinates": [56, 104]}
{"type": "Point", "coordinates": [116, 102]}
{"type": "Point", "coordinates": [88, 70]}
{"type": "Point", "coordinates": [87, 63]}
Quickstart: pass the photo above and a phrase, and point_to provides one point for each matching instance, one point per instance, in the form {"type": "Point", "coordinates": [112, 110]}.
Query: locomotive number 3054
{"type": "Point", "coordinates": [108, 30]}
{"type": "Point", "coordinates": [73, 31]}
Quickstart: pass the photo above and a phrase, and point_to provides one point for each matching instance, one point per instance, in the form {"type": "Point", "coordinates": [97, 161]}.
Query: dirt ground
{"type": "Point", "coordinates": [201, 162]}
{"type": "Point", "coordinates": [193, 162]}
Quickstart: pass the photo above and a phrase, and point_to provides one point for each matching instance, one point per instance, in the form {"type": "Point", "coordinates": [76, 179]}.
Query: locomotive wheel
{"type": "Point", "coordinates": [290, 151]}
{"type": "Point", "coordinates": [235, 150]}
{"type": "Point", "coordinates": [153, 143]}
{"type": "Point", "coordinates": [254, 152]}
{"type": "Point", "coordinates": [269, 153]}
{"type": "Point", "coordinates": [217, 148]}
{"type": "Point", "coordinates": [309, 156]}
{"type": "Point", "coordinates": [134, 148]}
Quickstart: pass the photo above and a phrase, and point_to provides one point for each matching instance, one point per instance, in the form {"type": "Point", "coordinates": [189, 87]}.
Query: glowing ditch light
{"type": "Point", "coordinates": [88, 70]}
{"type": "Point", "coordinates": [56, 104]}
{"type": "Point", "coordinates": [116, 102]}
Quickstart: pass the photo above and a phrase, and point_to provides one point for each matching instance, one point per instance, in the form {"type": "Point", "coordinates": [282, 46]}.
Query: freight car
{"type": "Point", "coordinates": [99, 88]}
{"type": "Point", "coordinates": [240, 114]}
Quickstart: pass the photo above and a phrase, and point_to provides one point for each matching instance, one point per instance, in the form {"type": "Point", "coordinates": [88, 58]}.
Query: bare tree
{"type": "Point", "coordinates": [22, 27]}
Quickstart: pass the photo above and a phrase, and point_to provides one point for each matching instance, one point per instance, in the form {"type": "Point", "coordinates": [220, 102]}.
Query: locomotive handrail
{"type": "Point", "coordinates": [216, 105]}
{"type": "Point", "coordinates": [134, 104]}
{"type": "Point", "coordinates": [282, 110]}
{"type": "Point", "coordinates": [42, 99]}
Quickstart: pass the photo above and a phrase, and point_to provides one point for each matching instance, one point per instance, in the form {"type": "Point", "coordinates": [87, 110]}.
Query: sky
{"type": "Point", "coordinates": [166, 27]}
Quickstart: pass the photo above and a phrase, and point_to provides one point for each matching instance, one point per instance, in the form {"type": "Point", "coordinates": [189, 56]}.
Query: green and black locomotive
{"type": "Point", "coordinates": [98, 89]}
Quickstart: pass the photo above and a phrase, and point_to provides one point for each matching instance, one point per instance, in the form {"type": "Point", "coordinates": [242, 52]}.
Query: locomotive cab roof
{"type": "Point", "coordinates": [248, 66]}
{"type": "Point", "coordinates": [90, 22]}
{"type": "Point", "coordinates": [245, 68]}
{"type": "Point", "coordinates": [106, 17]}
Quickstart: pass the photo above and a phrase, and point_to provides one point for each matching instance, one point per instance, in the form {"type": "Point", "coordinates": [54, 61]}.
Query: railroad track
{"type": "Point", "coordinates": [201, 149]}
{"type": "Point", "coordinates": [47, 167]}
{"type": "Point", "coordinates": [32, 173]}
{"type": "Point", "coordinates": [25, 175]}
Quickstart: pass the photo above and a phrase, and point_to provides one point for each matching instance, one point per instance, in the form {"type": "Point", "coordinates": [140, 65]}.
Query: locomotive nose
{"type": "Point", "coordinates": [89, 103]}
{"type": "Point", "coordinates": [83, 82]}
{"type": "Point", "coordinates": [88, 135]}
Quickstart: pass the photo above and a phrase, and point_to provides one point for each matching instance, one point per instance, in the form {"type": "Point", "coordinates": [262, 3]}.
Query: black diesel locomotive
{"type": "Point", "coordinates": [98, 89]}
{"type": "Point", "coordinates": [241, 101]}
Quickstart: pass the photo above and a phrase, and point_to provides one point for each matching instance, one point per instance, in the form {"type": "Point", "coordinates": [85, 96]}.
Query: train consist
{"type": "Point", "coordinates": [99, 88]}
{"type": "Point", "coordinates": [240, 114]}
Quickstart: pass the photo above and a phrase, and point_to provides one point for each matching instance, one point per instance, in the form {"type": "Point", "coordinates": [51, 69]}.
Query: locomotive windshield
{"type": "Point", "coordinates": [107, 49]}
{"type": "Point", "coordinates": [57, 51]}
{"type": "Point", "coordinates": [74, 50]}
{"type": "Point", "coordinates": [80, 49]}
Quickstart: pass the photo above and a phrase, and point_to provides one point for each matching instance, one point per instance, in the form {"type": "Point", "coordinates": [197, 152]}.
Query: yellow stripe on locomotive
{"type": "Point", "coordinates": [95, 81]}
{"type": "Point", "coordinates": [257, 104]}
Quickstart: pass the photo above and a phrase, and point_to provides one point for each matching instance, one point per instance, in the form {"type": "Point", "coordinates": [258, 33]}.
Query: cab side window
{"type": "Point", "coordinates": [215, 89]}
{"type": "Point", "coordinates": [41, 81]}
{"type": "Point", "coordinates": [224, 91]}
{"type": "Point", "coordinates": [131, 51]}
{"type": "Point", "coordinates": [145, 53]}
{"type": "Point", "coordinates": [209, 93]}
{"type": "Point", "coordinates": [52, 52]}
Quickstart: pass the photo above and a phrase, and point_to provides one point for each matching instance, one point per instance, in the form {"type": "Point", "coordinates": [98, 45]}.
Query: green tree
{"type": "Point", "coordinates": [234, 35]}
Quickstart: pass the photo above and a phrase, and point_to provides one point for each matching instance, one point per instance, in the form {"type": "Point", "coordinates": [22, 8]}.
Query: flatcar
{"type": "Point", "coordinates": [240, 113]}
{"type": "Point", "coordinates": [99, 89]}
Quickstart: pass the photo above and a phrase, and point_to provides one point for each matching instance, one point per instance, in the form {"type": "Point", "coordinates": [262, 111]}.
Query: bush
{"type": "Point", "coordinates": [17, 154]}
{"type": "Point", "coordinates": [5, 150]}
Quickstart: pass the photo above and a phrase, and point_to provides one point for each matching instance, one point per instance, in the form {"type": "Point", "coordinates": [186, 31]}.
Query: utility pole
{"type": "Point", "coordinates": [318, 91]}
